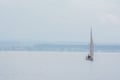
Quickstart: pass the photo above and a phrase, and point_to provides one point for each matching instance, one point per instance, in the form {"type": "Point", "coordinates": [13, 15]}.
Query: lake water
{"type": "Point", "coordinates": [31, 65]}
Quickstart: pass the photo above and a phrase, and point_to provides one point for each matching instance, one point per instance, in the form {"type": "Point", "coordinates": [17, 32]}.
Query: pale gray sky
{"type": "Point", "coordinates": [60, 20]}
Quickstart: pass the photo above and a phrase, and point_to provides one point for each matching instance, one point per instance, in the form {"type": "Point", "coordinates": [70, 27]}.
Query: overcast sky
{"type": "Point", "coordinates": [60, 20]}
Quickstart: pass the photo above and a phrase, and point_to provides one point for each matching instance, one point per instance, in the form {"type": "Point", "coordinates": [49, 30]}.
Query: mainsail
{"type": "Point", "coordinates": [91, 45]}
{"type": "Point", "coordinates": [90, 56]}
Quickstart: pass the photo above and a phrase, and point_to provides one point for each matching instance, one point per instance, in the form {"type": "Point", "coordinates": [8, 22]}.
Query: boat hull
{"type": "Point", "coordinates": [89, 58]}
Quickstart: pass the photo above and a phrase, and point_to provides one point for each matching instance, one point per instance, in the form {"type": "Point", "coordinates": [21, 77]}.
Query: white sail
{"type": "Point", "coordinates": [91, 45]}
{"type": "Point", "coordinates": [91, 54]}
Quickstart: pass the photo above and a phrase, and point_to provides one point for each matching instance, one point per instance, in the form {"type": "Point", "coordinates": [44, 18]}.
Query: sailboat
{"type": "Point", "coordinates": [91, 54]}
